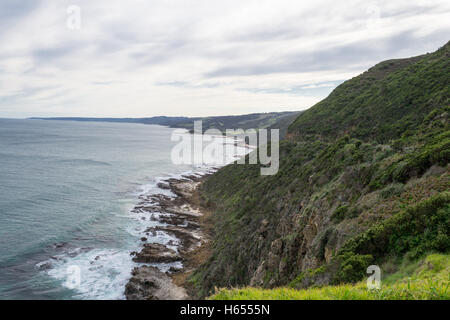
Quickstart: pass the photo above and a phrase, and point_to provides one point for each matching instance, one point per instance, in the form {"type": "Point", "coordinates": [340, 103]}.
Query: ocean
{"type": "Point", "coordinates": [66, 194]}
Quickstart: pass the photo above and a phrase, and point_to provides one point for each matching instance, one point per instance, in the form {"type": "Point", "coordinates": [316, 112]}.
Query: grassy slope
{"type": "Point", "coordinates": [379, 144]}
{"type": "Point", "coordinates": [427, 279]}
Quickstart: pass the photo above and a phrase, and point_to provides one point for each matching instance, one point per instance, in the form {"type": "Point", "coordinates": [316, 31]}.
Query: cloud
{"type": "Point", "coordinates": [310, 90]}
{"type": "Point", "coordinates": [11, 10]}
{"type": "Point", "coordinates": [348, 56]}
{"type": "Point", "coordinates": [190, 57]}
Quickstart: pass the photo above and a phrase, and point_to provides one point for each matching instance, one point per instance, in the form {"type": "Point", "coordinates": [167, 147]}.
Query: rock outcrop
{"type": "Point", "coordinates": [177, 217]}
{"type": "Point", "coordinates": [148, 283]}
{"type": "Point", "coordinates": [156, 253]}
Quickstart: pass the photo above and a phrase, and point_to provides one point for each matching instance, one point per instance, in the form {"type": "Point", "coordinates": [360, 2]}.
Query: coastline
{"type": "Point", "coordinates": [165, 267]}
{"type": "Point", "coordinates": [156, 232]}
{"type": "Point", "coordinates": [178, 239]}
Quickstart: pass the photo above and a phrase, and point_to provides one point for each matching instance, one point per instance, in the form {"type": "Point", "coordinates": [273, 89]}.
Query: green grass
{"type": "Point", "coordinates": [428, 280]}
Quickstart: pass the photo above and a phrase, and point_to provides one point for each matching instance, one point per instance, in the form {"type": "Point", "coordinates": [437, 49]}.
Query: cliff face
{"type": "Point", "coordinates": [375, 148]}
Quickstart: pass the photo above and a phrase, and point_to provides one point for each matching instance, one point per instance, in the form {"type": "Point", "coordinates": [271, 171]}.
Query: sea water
{"type": "Point", "coordinates": [66, 194]}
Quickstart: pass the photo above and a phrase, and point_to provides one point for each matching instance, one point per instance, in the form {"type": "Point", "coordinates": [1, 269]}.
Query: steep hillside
{"type": "Point", "coordinates": [363, 179]}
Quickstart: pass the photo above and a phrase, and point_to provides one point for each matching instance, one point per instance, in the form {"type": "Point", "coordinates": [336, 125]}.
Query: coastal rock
{"type": "Point", "coordinates": [148, 283]}
{"type": "Point", "coordinates": [174, 270]}
{"type": "Point", "coordinates": [164, 186]}
{"type": "Point", "coordinates": [184, 188]}
{"type": "Point", "coordinates": [156, 253]}
{"type": "Point", "coordinates": [178, 217]}
{"type": "Point", "coordinates": [171, 219]}
{"type": "Point", "coordinates": [188, 237]}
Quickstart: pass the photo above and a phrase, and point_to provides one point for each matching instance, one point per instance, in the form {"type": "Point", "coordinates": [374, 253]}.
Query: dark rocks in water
{"type": "Point", "coordinates": [145, 208]}
{"type": "Point", "coordinates": [174, 270]}
{"type": "Point", "coordinates": [148, 283]}
{"type": "Point", "coordinates": [172, 219]}
{"type": "Point", "coordinates": [188, 240]}
{"type": "Point", "coordinates": [192, 177]}
{"type": "Point", "coordinates": [156, 253]}
{"type": "Point", "coordinates": [192, 225]}
{"type": "Point", "coordinates": [45, 266]}
{"type": "Point", "coordinates": [59, 245]}
{"type": "Point", "coordinates": [152, 233]}
{"type": "Point", "coordinates": [164, 186]}
{"type": "Point", "coordinates": [177, 217]}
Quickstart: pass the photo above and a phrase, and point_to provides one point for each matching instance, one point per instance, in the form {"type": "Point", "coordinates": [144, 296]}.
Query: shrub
{"type": "Point", "coordinates": [394, 189]}
{"type": "Point", "coordinates": [416, 230]}
{"type": "Point", "coordinates": [339, 214]}
{"type": "Point", "coordinates": [352, 267]}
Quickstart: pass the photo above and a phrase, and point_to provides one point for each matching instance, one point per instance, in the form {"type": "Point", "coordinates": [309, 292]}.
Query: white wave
{"type": "Point", "coordinates": [103, 273]}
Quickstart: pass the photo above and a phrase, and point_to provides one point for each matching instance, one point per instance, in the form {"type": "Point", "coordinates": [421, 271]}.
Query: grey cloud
{"type": "Point", "coordinates": [105, 83]}
{"type": "Point", "coordinates": [271, 33]}
{"type": "Point", "coordinates": [25, 93]}
{"type": "Point", "coordinates": [124, 41]}
{"type": "Point", "coordinates": [305, 24]}
{"type": "Point", "coordinates": [309, 90]}
{"type": "Point", "coordinates": [159, 52]}
{"type": "Point", "coordinates": [12, 11]}
{"type": "Point", "coordinates": [53, 53]}
{"type": "Point", "coordinates": [172, 83]}
{"type": "Point", "coordinates": [413, 10]}
{"type": "Point", "coordinates": [188, 85]}
{"type": "Point", "coordinates": [355, 56]}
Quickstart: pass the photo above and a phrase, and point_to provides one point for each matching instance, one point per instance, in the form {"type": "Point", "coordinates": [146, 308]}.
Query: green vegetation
{"type": "Point", "coordinates": [363, 179]}
{"type": "Point", "coordinates": [428, 279]}
{"type": "Point", "coordinates": [416, 230]}
{"type": "Point", "coordinates": [384, 103]}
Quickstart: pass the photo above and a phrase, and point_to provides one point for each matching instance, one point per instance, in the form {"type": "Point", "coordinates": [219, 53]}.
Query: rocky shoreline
{"type": "Point", "coordinates": [182, 218]}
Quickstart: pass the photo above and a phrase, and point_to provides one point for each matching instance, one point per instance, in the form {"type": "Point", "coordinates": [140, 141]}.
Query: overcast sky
{"type": "Point", "coordinates": [140, 58]}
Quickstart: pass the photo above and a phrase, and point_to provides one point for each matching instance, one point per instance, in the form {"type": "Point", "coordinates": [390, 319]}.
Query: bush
{"type": "Point", "coordinates": [352, 267]}
{"type": "Point", "coordinates": [392, 190]}
{"type": "Point", "coordinates": [339, 214]}
{"type": "Point", "coordinates": [416, 230]}
{"type": "Point", "coordinates": [344, 212]}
